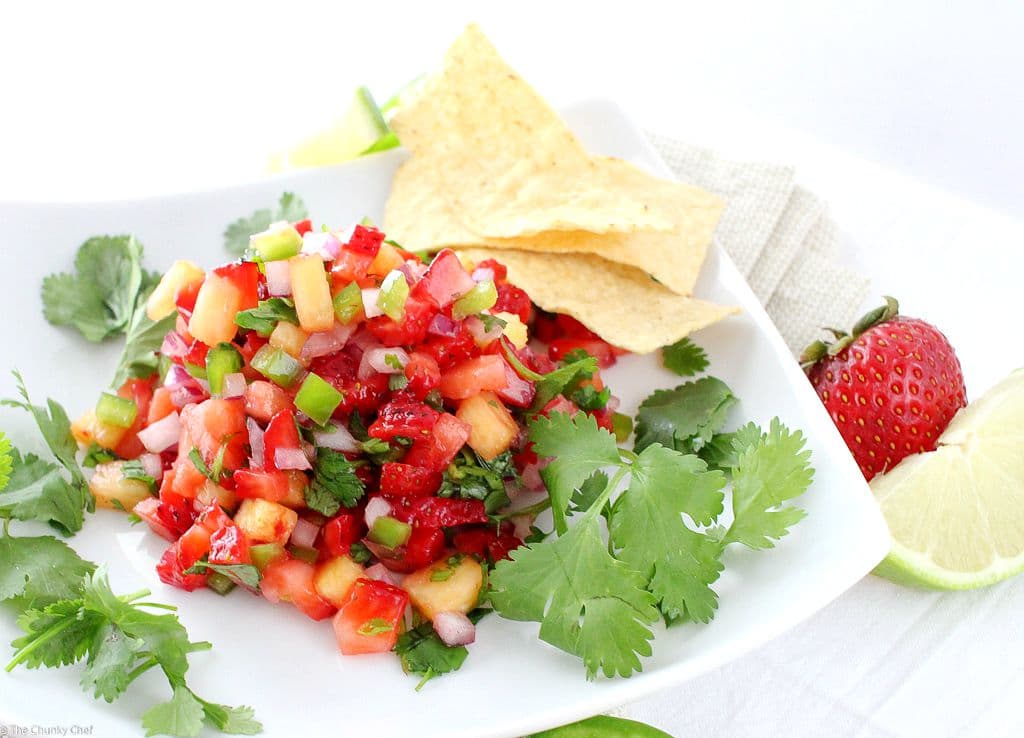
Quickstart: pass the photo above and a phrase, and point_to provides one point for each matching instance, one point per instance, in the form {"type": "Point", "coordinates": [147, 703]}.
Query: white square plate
{"type": "Point", "coordinates": [288, 667]}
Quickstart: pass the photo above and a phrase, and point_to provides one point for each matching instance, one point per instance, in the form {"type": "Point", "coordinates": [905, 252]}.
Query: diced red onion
{"type": "Point", "coordinates": [523, 526]}
{"type": "Point", "coordinates": [279, 279]}
{"type": "Point", "coordinates": [531, 477]}
{"type": "Point", "coordinates": [255, 442]}
{"type": "Point", "coordinates": [174, 346]}
{"type": "Point", "coordinates": [326, 342]}
{"type": "Point", "coordinates": [291, 458]}
{"type": "Point", "coordinates": [161, 435]}
{"type": "Point", "coordinates": [483, 274]}
{"type": "Point", "coordinates": [370, 295]}
{"type": "Point", "coordinates": [363, 340]}
{"type": "Point", "coordinates": [325, 245]}
{"type": "Point", "coordinates": [442, 325]}
{"type": "Point", "coordinates": [380, 573]}
{"type": "Point", "coordinates": [480, 334]}
{"type": "Point", "coordinates": [377, 507]}
{"type": "Point", "coordinates": [454, 628]}
{"type": "Point", "coordinates": [376, 360]}
{"type": "Point", "coordinates": [153, 465]}
{"type": "Point", "coordinates": [338, 439]}
{"type": "Point", "coordinates": [304, 534]}
{"type": "Point", "coordinates": [234, 385]}
{"type": "Point", "coordinates": [413, 271]}
{"type": "Point", "coordinates": [309, 449]}
{"type": "Point", "coordinates": [613, 404]}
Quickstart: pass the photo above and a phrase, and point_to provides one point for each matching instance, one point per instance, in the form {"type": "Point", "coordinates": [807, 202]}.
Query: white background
{"type": "Point", "coordinates": [907, 117]}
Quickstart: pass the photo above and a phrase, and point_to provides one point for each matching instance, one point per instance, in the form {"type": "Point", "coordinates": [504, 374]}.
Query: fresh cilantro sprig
{"type": "Point", "coordinates": [334, 484]}
{"type": "Point", "coordinates": [264, 317]}
{"type": "Point", "coordinates": [236, 236]}
{"type": "Point", "coordinates": [684, 418]}
{"type": "Point", "coordinates": [556, 382]}
{"type": "Point", "coordinates": [245, 574]}
{"type": "Point", "coordinates": [144, 337]}
{"type": "Point", "coordinates": [422, 652]}
{"type": "Point", "coordinates": [598, 598]}
{"type": "Point", "coordinates": [119, 638]}
{"type": "Point", "coordinates": [472, 478]}
{"type": "Point", "coordinates": [685, 358]}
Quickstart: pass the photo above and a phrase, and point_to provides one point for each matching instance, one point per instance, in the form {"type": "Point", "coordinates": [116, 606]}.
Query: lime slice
{"type": "Point", "coordinates": [956, 514]}
{"type": "Point", "coordinates": [356, 132]}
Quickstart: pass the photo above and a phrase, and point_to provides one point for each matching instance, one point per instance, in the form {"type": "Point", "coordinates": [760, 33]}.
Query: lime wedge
{"type": "Point", "coordinates": [956, 514]}
{"type": "Point", "coordinates": [357, 131]}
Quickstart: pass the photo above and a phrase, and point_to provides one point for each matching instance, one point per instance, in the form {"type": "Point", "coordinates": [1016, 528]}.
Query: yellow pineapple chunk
{"type": "Point", "coordinates": [213, 492]}
{"type": "Point", "coordinates": [289, 338]}
{"type": "Point", "coordinates": [492, 427]}
{"type": "Point", "coordinates": [297, 483]}
{"type": "Point", "coordinates": [334, 579]}
{"type": "Point", "coordinates": [311, 292]}
{"type": "Point", "coordinates": [514, 330]}
{"type": "Point", "coordinates": [213, 319]}
{"type": "Point", "coordinates": [266, 522]}
{"type": "Point", "coordinates": [387, 260]}
{"type": "Point", "coordinates": [112, 490]}
{"type": "Point", "coordinates": [89, 429]}
{"type": "Point", "coordinates": [445, 587]}
{"type": "Point", "coordinates": [181, 274]}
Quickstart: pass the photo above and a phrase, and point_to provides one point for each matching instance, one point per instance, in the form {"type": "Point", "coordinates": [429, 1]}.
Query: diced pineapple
{"type": "Point", "coordinates": [112, 490]}
{"type": "Point", "coordinates": [266, 522]}
{"type": "Point", "coordinates": [297, 483]}
{"type": "Point", "coordinates": [311, 292]}
{"type": "Point", "coordinates": [334, 579]}
{"type": "Point", "coordinates": [213, 319]}
{"type": "Point", "coordinates": [387, 260]}
{"type": "Point", "coordinates": [445, 587]}
{"type": "Point", "coordinates": [514, 330]}
{"type": "Point", "coordinates": [289, 338]}
{"type": "Point", "coordinates": [181, 274]}
{"type": "Point", "coordinates": [88, 429]}
{"type": "Point", "coordinates": [213, 492]}
{"type": "Point", "coordinates": [492, 427]}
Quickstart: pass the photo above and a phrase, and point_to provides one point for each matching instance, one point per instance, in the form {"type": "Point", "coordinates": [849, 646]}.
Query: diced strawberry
{"type": "Point", "coordinates": [597, 348]}
{"type": "Point", "coordinates": [445, 279]}
{"type": "Point", "coordinates": [229, 545]}
{"type": "Point", "coordinates": [281, 434]}
{"type": "Point", "coordinates": [497, 268]}
{"type": "Point", "coordinates": [446, 440]}
{"type": "Point", "coordinates": [291, 580]}
{"type": "Point", "coordinates": [517, 391]}
{"type": "Point", "coordinates": [365, 240]}
{"type": "Point", "coordinates": [411, 329]}
{"type": "Point", "coordinates": [423, 374]}
{"type": "Point", "coordinates": [161, 406]}
{"type": "Point", "coordinates": [181, 556]}
{"type": "Point", "coordinates": [443, 512]}
{"type": "Point", "coordinates": [341, 531]}
{"type": "Point", "coordinates": [270, 485]}
{"type": "Point", "coordinates": [185, 299]}
{"type": "Point", "coordinates": [404, 480]}
{"type": "Point", "coordinates": [412, 420]}
{"type": "Point", "coordinates": [264, 400]}
{"type": "Point", "coordinates": [147, 510]}
{"type": "Point", "coordinates": [303, 226]}
{"type": "Point", "coordinates": [450, 350]}
{"type": "Point", "coordinates": [472, 376]}
{"type": "Point", "coordinates": [424, 547]}
{"type": "Point", "coordinates": [369, 621]}
{"type": "Point", "coordinates": [513, 300]}
{"type": "Point", "coordinates": [244, 275]}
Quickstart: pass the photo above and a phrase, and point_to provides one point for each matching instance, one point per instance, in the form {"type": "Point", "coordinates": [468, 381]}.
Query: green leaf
{"type": "Point", "coordinates": [684, 418]}
{"type": "Point", "coordinates": [58, 635]}
{"type": "Point", "coordinates": [773, 468]}
{"type": "Point", "coordinates": [264, 317]}
{"type": "Point", "coordinates": [5, 460]}
{"type": "Point", "coordinates": [236, 236]}
{"type": "Point", "coordinates": [133, 469]}
{"type": "Point", "coordinates": [587, 602]}
{"type": "Point", "coordinates": [578, 447]}
{"type": "Point", "coordinates": [246, 574]}
{"type": "Point", "coordinates": [38, 491]}
{"type": "Point", "coordinates": [181, 716]}
{"type": "Point", "coordinates": [231, 720]}
{"type": "Point", "coordinates": [139, 357]}
{"type": "Point", "coordinates": [423, 653]}
{"type": "Point", "coordinates": [650, 534]}
{"type": "Point", "coordinates": [334, 483]}
{"type": "Point", "coordinates": [685, 358]}
{"type": "Point", "coordinates": [37, 571]}
{"type": "Point", "coordinates": [556, 382]}
{"type": "Point", "coordinates": [588, 399]}
{"type": "Point", "coordinates": [99, 298]}
{"type": "Point", "coordinates": [111, 659]}
{"type": "Point", "coordinates": [588, 493]}
{"type": "Point", "coordinates": [471, 478]}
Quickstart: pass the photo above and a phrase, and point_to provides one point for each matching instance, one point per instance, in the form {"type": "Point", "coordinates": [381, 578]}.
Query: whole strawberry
{"type": "Point", "coordinates": [891, 386]}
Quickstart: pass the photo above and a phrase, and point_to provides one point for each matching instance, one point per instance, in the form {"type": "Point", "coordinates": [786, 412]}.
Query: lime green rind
{"type": "Point", "coordinates": [911, 569]}
{"type": "Point", "coordinates": [5, 461]}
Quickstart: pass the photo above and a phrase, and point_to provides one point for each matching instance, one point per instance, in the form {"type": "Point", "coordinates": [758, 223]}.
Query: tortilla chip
{"type": "Point", "coordinates": [510, 165]}
{"type": "Point", "coordinates": [419, 217]}
{"type": "Point", "coordinates": [621, 304]}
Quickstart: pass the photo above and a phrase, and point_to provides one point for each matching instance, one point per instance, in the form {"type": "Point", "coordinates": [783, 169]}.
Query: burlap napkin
{"type": "Point", "coordinates": [781, 238]}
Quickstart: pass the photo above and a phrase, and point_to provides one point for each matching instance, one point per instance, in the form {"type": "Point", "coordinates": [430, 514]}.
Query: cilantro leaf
{"type": "Point", "coordinates": [5, 460]}
{"type": "Point", "coordinates": [685, 358]}
{"type": "Point", "coordinates": [144, 338]}
{"type": "Point", "coordinates": [471, 478]}
{"type": "Point", "coordinates": [58, 635]}
{"type": "Point", "coordinates": [422, 652]}
{"type": "Point", "coordinates": [650, 535]}
{"type": "Point", "coordinates": [236, 236]}
{"type": "Point", "coordinates": [770, 472]}
{"type": "Point", "coordinates": [551, 385]}
{"type": "Point", "coordinates": [181, 716]}
{"type": "Point", "coordinates": [112, 656]}
{"type": "Point", "coordinates": [246, 574]}
{"type": "Point", "coordinates": [37, 490]}
{"type": "Point", "coordinates": [334, 483]}
{"type": "Point", "coordinates": [37, 571]}
{"type": "Point", "coordinates": [99, 298]}
{"type": "Point", "coordinates": [133, 469]}
{"type": "Point", "coordinates": [588, 399]}
{"type": "Point", "coordinates": [684, 418]}
{"type": "Point", "coordinates": [264, 317]}
{"type": "Point", "coordinates": [587, 602]}
{"type": "Point", "coordinates": [232, 720]}
{"type": "Point", "coordinates": [588, 493]}
{"type": "Point", "coordinates": [578, 447]}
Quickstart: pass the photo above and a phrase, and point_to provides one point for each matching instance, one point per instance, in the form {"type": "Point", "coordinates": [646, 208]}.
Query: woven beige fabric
{"type": "Point", "coordinates": [781, 238]}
